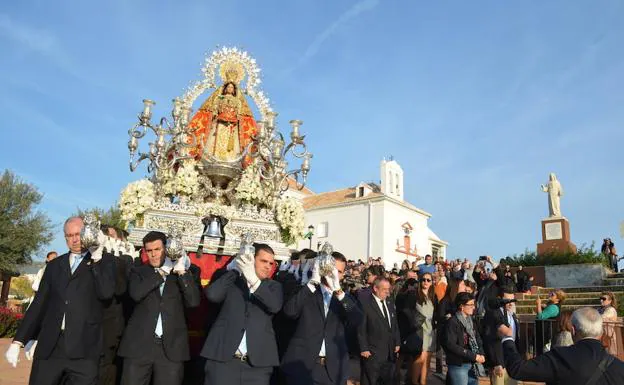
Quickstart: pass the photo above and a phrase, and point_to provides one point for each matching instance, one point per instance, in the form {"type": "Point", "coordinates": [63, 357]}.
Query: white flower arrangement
{"type": "Point", "coordinates": [206, 209]}
{"type": "Point", "coordinates": [136, 198]}
{"type": "Point", "coordinates": [290, 217]}
{"type": "Point", "coordinates": [185, 181]}
{"type": "Point", "coordinates": [250, 188]}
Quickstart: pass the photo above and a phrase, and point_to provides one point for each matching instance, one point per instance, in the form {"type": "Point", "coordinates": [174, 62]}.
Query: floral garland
{"type": "Point", "coordinates": [183, 182]}
{"type": "Point", "coordinates": [136, 198]}
{"type": "Point", "coordinates": [290, 217]}
{"type": "Point", "coordinates": [250, 189]}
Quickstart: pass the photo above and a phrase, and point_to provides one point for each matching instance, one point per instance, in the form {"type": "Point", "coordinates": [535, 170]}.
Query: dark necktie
{"type": "Point", "coordinates": [385, 312]}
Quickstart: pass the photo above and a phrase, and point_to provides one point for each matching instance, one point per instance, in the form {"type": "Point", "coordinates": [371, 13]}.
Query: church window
{"type": "Point", "coordinates": [322, 230]}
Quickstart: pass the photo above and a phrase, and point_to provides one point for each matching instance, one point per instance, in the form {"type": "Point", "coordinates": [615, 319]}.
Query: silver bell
{"type": "Point", "coordinates": [213, 230]}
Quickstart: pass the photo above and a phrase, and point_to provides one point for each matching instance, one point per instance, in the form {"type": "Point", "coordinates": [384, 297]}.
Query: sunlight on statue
{"type": "Point", "coordinates": [224, 124]}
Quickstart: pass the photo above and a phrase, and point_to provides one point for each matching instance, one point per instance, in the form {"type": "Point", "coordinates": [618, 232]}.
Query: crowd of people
{"type": "Point", "coordinates": [101, 316]}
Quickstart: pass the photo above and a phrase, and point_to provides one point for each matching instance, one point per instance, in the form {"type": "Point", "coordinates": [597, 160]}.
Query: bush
{"type": "Point", "coordinates": [9, 321]}
{"type": "Point", "coordinates": [584, 255]}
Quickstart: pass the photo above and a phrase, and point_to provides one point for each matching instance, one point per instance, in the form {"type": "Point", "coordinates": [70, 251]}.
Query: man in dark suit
{"type": "Point", "coordinates": [155, 342]}
{"type": "Point", "coordinates": [317, 353]}
{"type": "Point", "coordinates": [501, 311]}
{"type": "Point", "coordinates": [378, 334]}
{"type": "Point", "coordinates": [66, 314]}
{"type": "Point", "coordinates": [571, 365]}
{"type": "Point", "coordinates": [285, 327]}
{"type": "Point", "coordinates": [241, 347]}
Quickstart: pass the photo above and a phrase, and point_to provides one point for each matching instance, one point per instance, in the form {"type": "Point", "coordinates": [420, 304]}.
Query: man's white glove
{"type": "Point", "coordinates": [333, 280]}
{"type": "Point", "coordinates": [167, 266]}
{"type": "Point", "coordinates": [121, 248]}
{"type": "Point", "coordinates": [285, 266]}
{"type": "Point", "coordinates": [182, 265]}
{"type": "Point", "coordinates": [96, 251]}
{"type": "Point", "coordinates": [248, 270]}
{"type": "Point", "coordinates": [12, 354]}
{"type": "Point", "coordinates": [108, 244]}
{"type": "Point", "coordinates": [315, 279]}
{"type": "Point", "coordinates": [305, 277]}
{"type": "Point", "coordinates": [29, 349]}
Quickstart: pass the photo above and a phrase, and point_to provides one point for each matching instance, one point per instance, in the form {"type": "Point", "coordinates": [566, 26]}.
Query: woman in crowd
{"type": "Point", "coordinates": [608, 306]}
{"type": "Point", "coordinates": [564, 337]}
{"type": "Point", "coordinates": [462, 344]}
{"type": "Point", "coordinates": [421, 314]}
{"type": "Point", "coordinates": [553, 309]}
{"type": "Point", "coordinates": [608, 310]}
{"type": "Point", "coordinates": [471, 287]}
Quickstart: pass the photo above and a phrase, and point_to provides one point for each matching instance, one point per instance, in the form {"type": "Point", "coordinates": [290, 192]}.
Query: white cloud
{"type": "Point", "coordinates": [350, 14]}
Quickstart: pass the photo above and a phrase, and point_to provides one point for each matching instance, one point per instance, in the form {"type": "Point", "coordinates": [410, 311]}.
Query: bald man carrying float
{"type": "Point", "coordinates": [66, 314]}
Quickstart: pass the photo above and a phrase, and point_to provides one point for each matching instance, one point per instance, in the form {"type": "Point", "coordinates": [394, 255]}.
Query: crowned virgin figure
{"type": "Point", "coordinates": [224, 124]}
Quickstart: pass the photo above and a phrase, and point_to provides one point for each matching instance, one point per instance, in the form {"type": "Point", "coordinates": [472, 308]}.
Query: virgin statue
{"type": "Point", "coordinates": [224, 124]}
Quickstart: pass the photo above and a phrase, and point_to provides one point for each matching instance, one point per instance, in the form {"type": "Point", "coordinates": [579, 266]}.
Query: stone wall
{"type": "Point", "coordinates": [562, 276]}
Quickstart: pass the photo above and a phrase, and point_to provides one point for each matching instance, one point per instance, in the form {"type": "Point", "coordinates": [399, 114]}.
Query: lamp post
{"type": "Point", "coordinates": [310, 234]}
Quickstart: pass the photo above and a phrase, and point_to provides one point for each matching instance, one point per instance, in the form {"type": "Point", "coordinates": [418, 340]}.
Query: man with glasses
{"type": "Point", "coordinates": [66, 315]}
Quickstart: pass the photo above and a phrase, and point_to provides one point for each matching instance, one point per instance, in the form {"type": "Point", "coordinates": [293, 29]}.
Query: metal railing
{"type": "Point", "coordinates": [538, 336]}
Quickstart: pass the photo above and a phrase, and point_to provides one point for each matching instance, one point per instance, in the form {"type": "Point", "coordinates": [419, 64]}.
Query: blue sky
{"type": "Point", "coordinates": [477, 100]}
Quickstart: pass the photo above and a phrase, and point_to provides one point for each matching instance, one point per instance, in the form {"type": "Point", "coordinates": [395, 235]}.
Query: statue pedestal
{"type": "Point", "coordinates": [555, 236]}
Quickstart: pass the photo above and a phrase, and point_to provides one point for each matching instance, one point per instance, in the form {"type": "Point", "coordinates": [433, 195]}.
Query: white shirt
{"type": "Point", "coordinates": [72, 258]}
{"type": "Point", "coordinates": [512, 326]}
{"type": "Point", "coordinates": [242, 346]}
{"type": "Point", "coordinates": [381, 304]}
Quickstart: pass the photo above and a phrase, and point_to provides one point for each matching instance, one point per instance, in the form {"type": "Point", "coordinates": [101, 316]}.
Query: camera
{"type": "Point", "coordinates": [483, 258]}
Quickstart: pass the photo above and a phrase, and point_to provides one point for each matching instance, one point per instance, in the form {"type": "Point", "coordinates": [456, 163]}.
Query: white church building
{"type": "Point", "coordinates": [371, 220]}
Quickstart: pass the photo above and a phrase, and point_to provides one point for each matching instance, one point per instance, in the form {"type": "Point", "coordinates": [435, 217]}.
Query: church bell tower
{"type": "Point", "coordinates": [392, 179]}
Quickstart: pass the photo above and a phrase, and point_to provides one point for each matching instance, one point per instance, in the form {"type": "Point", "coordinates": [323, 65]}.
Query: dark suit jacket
{"type": "Point", "coordinates": [374, 333]}
{"type": "Point", "coordinates": [312, 327]}
{"type": "Point", "coordinates": [79, 296]}
{"type": "Point", "coordinates": [285, 327]}
{"type": "Point", "coordinates": [571, 365]}
{"type": "Point", "coordinates": [115, 313]}
{"type": "Point", "coordinates": [491, 341]}
{"type": "Point", "coordinates": [180, 291]}
{"type": "Point", "coordinates": [242, 311]}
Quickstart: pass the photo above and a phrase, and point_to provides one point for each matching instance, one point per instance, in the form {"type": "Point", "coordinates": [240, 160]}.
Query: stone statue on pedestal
{"type": "Point", "coordinates": [554, 190]}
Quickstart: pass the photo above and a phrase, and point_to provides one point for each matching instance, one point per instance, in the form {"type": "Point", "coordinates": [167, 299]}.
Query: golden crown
{"type": "Point", "coordinates": [232, 72]}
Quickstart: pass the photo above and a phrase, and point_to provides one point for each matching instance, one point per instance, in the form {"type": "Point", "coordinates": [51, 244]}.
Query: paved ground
{"type": "Point", "coordinates": [19, 375]}
{"type": "Point", "coordinates": [8, 374]}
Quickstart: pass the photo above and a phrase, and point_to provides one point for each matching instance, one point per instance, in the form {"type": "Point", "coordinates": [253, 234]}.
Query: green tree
{"type": "Point", "coordinates": [23, 229]}
{"type": "Point", "coordinates": [111, 216]}
{"type": "Point", "coordinates": [21, 288]}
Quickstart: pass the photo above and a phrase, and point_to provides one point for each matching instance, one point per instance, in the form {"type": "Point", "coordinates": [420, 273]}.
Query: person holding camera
{"type": "Point", "coordinates": [501, 311]}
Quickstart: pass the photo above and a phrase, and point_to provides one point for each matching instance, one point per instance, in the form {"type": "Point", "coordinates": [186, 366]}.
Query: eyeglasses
{"type": "Point", "coordinates": [70, 236]}
{"type": "Point", "coordinates": [425, 280]}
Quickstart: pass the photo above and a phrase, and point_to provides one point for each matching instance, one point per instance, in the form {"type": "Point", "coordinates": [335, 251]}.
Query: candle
{"type": "Point", "coordinates": [147, 109]}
